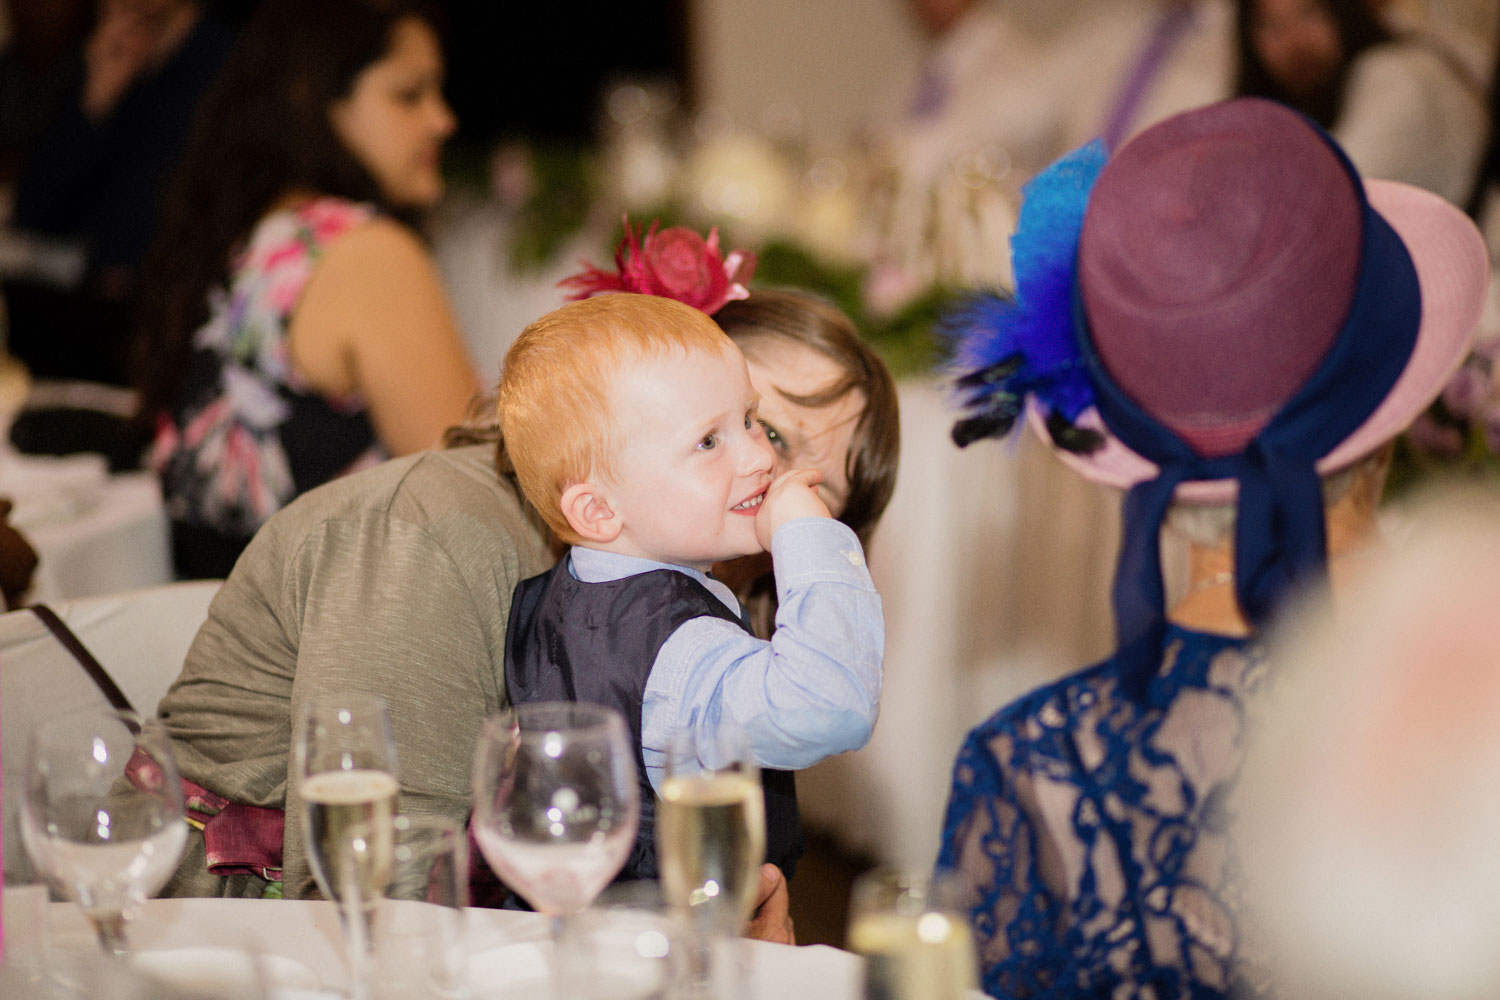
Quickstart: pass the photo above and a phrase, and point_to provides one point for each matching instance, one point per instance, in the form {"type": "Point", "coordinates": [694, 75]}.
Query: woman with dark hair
{"type": "Point", "coordinates": [296, 327]}
{"type": "Point", "coordinates": [787, 331]}
{"type": "Point", "coordinates": [1401, 105]}
{"type": "Point", "coordinates": [828, 402]}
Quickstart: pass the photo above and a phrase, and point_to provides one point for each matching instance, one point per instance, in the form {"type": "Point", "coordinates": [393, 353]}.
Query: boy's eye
{"type": "Point", "coordinates": [774, 436]}
{"type": "Point", "coordinates": [708, 442]}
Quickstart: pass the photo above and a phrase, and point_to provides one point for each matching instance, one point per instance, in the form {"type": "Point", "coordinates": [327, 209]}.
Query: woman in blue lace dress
{"type": "Point", "coordinates": [1224, 321]}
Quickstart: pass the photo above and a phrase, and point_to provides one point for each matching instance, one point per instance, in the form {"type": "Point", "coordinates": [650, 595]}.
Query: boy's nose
{"type": "Point", "coordinates": [758, 455]}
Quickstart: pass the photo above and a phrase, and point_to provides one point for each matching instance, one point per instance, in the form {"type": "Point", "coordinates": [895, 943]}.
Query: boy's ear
{"type": "Point", "coordinates": [589, 514]}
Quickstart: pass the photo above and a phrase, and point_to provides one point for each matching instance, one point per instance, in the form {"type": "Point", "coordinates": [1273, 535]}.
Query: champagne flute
{"type": "Point", "coordinates": [710, 842]}
{"type": "Point", "coordinates": [101, 814]}
{"type": "Point", "coordinates": [556, 804]}
{"type": "Point", "coordinates": [345, 756]}
{"type": "Point", "coordinates": [912, 932]}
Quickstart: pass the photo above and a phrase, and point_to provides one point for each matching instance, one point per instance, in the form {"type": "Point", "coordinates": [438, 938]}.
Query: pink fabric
{"type": "Point", "coordinates": [238, 839]}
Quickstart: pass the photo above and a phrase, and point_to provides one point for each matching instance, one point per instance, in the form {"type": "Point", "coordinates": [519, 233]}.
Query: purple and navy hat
{"type": "Point", "coordinates": [1226, 312]}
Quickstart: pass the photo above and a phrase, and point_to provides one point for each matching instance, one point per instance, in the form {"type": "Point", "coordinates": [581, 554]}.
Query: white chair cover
{"type": "Point", "coordinates": [140, 637]}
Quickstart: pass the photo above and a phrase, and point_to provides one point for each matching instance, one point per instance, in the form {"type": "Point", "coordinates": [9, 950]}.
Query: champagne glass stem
{"type": "Point", "coordinates": [358, 934]}
{"type": "Point", "coordinates": [700, 965]}
{"type": "Point", "coordinates": [111, 930]}
{"type": "Point", "coordinates": [557, 927]}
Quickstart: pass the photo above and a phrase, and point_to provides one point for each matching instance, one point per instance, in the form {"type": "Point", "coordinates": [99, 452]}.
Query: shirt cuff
{"type": "Point", "coordinates": [820, 549]}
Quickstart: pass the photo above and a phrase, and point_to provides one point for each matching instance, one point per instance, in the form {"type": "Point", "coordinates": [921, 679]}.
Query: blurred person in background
{"type": "Point", "coordinates": [94, 176]}
{"type": "Point", "coordinates": [1368, 813]}
{"type": "Point", "coordinates": [1139, 63]}
{"type": "Point", "coordinates": [296, 327]}
{"type": "Point", "coordinates": [36, 64]}
{"type": "Point", "coordinates": [1403, 105]}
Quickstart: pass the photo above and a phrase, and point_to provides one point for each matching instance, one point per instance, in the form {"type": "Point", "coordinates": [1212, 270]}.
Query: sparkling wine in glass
{"type": "Point", "coordinates": [710, 843]}
{"type": "Point", "coordinates": [913, 934]}
{"type": "Point", "coordinates": [345, 756]}
{"type": "Point", "coordinates": [711, 828]}
{"type": "Point", "coordinates": [556, 803]}
{"type": "Point", "coordinates": [101, 814]}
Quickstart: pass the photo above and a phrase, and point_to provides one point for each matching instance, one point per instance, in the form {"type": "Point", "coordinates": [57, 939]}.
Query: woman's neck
{"type": "Point", "coordinates": [1209, 604]}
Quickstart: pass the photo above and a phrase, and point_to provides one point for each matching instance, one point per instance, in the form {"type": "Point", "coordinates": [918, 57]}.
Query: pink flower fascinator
{"type": "Point", "coordinates": [676, 263]}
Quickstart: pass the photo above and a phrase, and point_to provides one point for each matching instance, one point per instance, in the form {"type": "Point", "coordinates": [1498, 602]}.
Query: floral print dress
{"type": "Point", "coordinates": [247, 435]}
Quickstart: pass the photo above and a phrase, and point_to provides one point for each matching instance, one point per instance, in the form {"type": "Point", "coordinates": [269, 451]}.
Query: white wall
{"type": "Point", "coordinates": [832, 59]}
{"type": "Point", "coordinates": [836, 60]}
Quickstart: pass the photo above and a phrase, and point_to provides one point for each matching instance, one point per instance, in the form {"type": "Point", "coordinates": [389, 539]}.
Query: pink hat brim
{"type": "Point", "coordinates": [1452, 272]}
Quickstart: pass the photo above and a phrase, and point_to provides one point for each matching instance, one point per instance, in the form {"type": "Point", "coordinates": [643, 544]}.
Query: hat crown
{"type": "Point", "coordinates": [1216, 266]}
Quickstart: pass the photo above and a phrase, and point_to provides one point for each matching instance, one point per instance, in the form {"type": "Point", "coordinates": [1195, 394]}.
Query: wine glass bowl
{"type": "Point", "coordinates": [556, 801]}
{"type": "Point", "coordinates": [711, 827]}
{"type": "Point", "coordinates": [101, 814]}
{"type": "Point", "coordinates": [911, 928]}
{"type": "Point", "coordinates": [710, 843]}
{"type": "Point", "coordinates": [556, 805]}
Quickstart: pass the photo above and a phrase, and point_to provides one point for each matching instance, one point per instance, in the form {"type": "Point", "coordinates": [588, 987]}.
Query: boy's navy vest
{"type": "Point", "coordinates": [596, 642]}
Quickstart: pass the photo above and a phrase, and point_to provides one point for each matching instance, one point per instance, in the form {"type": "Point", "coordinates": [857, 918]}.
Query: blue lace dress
{"type": "Point", "coordinates": [1088, 823]}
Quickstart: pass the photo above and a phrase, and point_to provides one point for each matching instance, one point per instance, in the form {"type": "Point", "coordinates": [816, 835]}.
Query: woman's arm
{"type": "Point", "coordinates": [375, 320]}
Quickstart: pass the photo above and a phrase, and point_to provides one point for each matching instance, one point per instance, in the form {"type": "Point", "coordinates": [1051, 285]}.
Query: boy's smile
{"type": "Point", "coordinates": [693, 463]}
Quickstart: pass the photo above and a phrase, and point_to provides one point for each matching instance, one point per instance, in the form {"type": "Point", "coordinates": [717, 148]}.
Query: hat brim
{"type": "Point", "coordinates": [1452, 272]}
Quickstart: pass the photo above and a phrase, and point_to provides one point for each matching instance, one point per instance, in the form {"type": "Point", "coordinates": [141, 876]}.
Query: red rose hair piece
{"type": "Point", "coordinates": [675, 263]}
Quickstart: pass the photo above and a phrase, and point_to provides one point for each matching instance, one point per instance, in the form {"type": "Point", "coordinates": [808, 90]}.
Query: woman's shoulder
{"type": "Point", "coordinates": [1104, 690]}
{"type": "Point", "coordinates": [363, 253]}
{"type": "Point", "coordinates": [287, 240]}
{"type": "Point", "coordinates": [1052, 706]}
{"type": "Point", "coordinates": [421, 490]}
{"type": "Point", "coordinates": [438, 515]}
{"type": "Point", "coordinates": [314, 222]}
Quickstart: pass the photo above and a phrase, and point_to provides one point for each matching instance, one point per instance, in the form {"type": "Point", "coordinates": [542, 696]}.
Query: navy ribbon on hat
{"type": "Point", "coordinates": [1279, 528]}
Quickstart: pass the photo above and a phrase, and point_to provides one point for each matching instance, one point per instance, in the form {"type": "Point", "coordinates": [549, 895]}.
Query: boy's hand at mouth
{"type": "Point", "coordinates": [791, 495]}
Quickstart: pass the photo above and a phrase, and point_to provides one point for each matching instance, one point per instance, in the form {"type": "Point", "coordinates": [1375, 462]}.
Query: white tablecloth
{"type": "Point", "coordinates": [93, 533]}
{"type": "Point", "coordinates": [308, 933]}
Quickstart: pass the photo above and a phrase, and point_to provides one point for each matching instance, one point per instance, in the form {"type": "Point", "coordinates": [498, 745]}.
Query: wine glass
{"type": "Point", "coordinates": [101, 814]}
{"type": "Point", "coordinates": [911, 929]}
{"type": "Point", "coordinates": [710, 842]}
{"type": "Point", "coordinates": [345, 756]}
{"type": "Point", "coordinates": [556, 803]}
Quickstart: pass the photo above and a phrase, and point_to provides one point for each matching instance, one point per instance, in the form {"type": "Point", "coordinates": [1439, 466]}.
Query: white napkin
{"type": "Point", "coordinates": [49, 490]}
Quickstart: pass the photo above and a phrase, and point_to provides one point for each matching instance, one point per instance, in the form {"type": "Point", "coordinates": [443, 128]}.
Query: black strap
{"type": "Point", "coordinates": [80, 652]}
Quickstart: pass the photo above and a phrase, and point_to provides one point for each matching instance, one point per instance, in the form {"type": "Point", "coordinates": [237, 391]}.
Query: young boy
{"type": "Point", "coordinates": [631, 422]}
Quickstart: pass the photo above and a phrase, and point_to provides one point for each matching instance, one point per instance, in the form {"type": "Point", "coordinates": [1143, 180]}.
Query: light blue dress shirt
{"type": "Point", "coordinates": [810, 692]}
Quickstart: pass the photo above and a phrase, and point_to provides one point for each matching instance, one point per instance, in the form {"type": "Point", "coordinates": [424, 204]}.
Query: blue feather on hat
{"type": "Point", "coordinates": [1006, 348]}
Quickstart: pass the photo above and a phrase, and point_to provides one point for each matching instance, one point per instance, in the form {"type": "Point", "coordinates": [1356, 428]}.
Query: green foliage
{"type": "Point", "coordinates": [564, 194]}
{"type": "Point", "coordinates": [565, 185]}
{"type": "Point", "coordinates": [907, 340]}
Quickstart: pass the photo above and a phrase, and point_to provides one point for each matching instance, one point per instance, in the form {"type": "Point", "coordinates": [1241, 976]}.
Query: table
{"type": "Point", "coordinates": [93, 533]}
{"type": "Point", "coordinates": [307, 932]}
